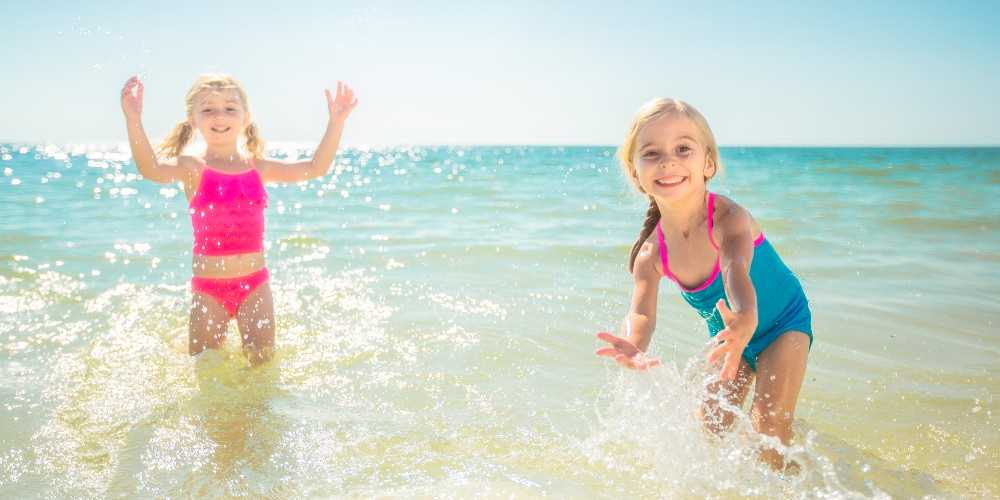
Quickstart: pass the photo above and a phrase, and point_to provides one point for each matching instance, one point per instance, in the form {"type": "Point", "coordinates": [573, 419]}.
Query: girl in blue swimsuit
{"type": "Point", "coordinates": [757, 314]}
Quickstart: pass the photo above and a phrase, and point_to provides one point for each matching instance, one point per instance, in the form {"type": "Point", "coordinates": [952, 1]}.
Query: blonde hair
{"type": "Point", "coordinates": [181, 135]}
{"type": "Point", "coordinates": [650, 111]}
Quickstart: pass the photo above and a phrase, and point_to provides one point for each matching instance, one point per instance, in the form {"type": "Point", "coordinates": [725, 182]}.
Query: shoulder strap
{"type": "Point", "coordinates": [664, 255]}
{"type": "Point", "coordinates": [711, 215]}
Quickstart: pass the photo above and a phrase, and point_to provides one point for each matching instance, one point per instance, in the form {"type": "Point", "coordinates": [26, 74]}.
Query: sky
{"type": "Point", "coordinates": [514, 72]}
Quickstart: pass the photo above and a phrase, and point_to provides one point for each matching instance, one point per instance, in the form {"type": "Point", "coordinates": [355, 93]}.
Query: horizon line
{"type": "Point", "coordinates": [300, 143]}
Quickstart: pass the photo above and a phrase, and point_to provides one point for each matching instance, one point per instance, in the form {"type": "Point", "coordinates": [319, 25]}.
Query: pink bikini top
{"type": "Point", "coordinates": [227, 212]}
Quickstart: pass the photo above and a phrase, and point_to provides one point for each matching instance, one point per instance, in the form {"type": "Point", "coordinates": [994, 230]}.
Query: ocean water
{"type": "Point", "coordinates": [436, 311]}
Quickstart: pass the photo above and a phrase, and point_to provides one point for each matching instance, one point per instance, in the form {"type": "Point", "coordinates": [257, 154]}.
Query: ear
{"type": "Point", "coordinates": [710, 167]}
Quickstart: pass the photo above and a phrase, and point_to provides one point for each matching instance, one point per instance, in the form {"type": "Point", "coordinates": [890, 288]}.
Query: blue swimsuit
{"type": "Point", "coordinates": [781, 303]}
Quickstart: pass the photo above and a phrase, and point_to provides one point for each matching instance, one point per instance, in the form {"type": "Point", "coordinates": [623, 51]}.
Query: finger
{"type": "Point", "coordinates": [138, 92]}
{"type": "Point", "coordinates": [349, 100]}
{"type": "Point", "coordinates": [648, 363]}
{"type": "Point", "coordinates": [607, 351]}
{"type": "Point", "coordinates": [724, 335]}
{"type": "Point", "coordinates": [611, 339]}
{"type": "Point", "coordinates": [716, 354]}
{"type": "Point", "coordinates": [724, 310]}
{"type": "Point", "coordinates": [731, 366]}
{"type": "Point", "coordinates": [329, 96]}
{"type": "Point", "coordinates": [340, 89]}
{"type": "Point", "coordinates": [625, 361]}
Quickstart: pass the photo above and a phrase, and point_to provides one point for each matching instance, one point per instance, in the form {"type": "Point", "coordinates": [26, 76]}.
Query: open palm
{"type": "Point", "coordinates": [731, 342]}
{"type": "Point", "coordinates": [132, 97]}
{"type": "Point", "coordinates": [342, 103]}
{"type": "Point", "coordinates": [625, 353]}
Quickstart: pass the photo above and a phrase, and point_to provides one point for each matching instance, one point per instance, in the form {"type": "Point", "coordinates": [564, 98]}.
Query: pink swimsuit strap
{"type": "Point", "coordinates": [665, 253]}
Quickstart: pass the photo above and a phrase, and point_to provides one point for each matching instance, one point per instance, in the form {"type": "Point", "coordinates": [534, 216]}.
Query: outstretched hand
{"type": "Point", "coordinates": [625, 353]}
{"type": "Point", "coordinates": [730, 341]}
{"type": "Point", "coordinates": [342, 103]}
{"type": "Point", "coordinates": [132, 98]}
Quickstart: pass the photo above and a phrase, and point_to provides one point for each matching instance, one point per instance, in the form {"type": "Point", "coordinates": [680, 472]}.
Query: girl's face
{"type": "Point", "coordinates": [671, 160]}
{"type": "Point", "coordinates": [219, 115]}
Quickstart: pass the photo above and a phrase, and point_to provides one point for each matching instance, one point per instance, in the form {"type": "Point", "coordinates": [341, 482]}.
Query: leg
{"type": "Point", "coordinates": [208, 323]}
{"type": "Point", "coordinates": [780, 370]}
{"type": "Point", "coordinates": [716, 418]}
{"type": "Point", "coordinates": [255, 318]}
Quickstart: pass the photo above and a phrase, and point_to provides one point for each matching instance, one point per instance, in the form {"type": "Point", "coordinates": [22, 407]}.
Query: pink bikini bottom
{"type": "Point", "coordinates": [230, 292]}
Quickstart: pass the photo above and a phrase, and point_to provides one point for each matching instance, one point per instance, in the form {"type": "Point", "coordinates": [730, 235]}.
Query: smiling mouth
{"type": "Point", "coordinates": [670, 181]}
{"type": "Point", "coordinates": [220, 130]}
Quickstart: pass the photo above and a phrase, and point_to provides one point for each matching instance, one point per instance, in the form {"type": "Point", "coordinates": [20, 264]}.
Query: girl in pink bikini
{"type": "Point", "coordinates": [226, 195]}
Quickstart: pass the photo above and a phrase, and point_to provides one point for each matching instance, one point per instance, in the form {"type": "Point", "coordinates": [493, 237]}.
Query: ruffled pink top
{"type": "Point", "coordinates": [227, 212]}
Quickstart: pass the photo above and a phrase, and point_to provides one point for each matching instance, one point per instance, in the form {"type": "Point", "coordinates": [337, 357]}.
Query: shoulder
{"type": "Point", "coordinates": [263, 166]}
{"type": "Point", "coordinates": [189, 170]}
{"type": "Point", "coordinates": [189, 167]}
{"type": "Point", "coordinates": [729, 213]}
{"type": "Point", "coordinates": [647, 261]}
{"type": "Point", "coordinates": [190, 163]}
{"type": "Point", "coordinates": [731, 219]}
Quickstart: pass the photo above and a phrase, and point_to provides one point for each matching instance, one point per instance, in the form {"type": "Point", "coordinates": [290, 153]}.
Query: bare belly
{"type": "Point", "coordinates": [227, 266]}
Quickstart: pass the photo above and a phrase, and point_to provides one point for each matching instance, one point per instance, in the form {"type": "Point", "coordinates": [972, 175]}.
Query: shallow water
{"type": "Point", "coordinates": [436, 310]}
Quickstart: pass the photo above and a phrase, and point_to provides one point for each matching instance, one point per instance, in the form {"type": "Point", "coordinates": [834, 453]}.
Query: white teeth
{"type": "Point", "coordinates": [667, 181]}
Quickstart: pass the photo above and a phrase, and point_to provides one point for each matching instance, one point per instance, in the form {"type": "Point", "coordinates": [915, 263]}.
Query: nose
{"type": "Point", "coordinates": [666, 161]}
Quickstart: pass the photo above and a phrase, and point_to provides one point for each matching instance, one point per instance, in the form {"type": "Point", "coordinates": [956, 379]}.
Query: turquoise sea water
{"type": "Point", "coordinates": [436, 309]}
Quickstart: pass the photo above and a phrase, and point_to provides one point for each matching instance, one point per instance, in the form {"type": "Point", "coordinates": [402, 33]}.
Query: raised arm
{"type": "Point", "coordinates": [340, 107]}
{"type": "Point", "coordinates": [641, 320]}
{"type": "Point", "coordinates": [149, 166]}
{"type": "Point", "coordinates": [735, 235]}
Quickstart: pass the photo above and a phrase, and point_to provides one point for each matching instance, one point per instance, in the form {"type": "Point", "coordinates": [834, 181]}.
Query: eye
{"type": "Point", "coordinates": [231, 109]}
{"type": "Point", "coordinates": [683, 150]}
{"type": "Point", "coordinates": [650, 155]}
